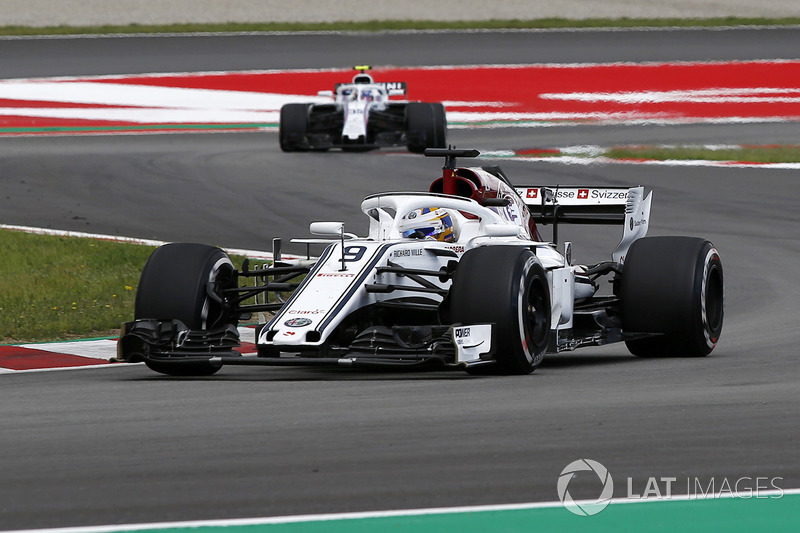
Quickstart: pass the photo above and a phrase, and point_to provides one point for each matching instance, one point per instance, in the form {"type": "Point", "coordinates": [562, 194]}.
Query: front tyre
{"type": "Point", "coordinates": [672, 287]}
{"type": "Point", "coordinates": [184, 281]}
{"type": "Point", "coordinates": [426, 126]}
{"type": "Point", "coordinates": [505, 286]}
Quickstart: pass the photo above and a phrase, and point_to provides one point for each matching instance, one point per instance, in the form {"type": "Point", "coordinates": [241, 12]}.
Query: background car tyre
{"type": "Point", "coordinates": [672, 286]}
{"type": "Point", "coordinates": [439, 126]}
{"type": "Point", "coordinates": [506, 286]}
{"type": "Point", "coordinates": [426, 126]}
{"type": "Point", "coordinates": [293, 127]}
{"type": "Point", "coordinates": [182, 281]}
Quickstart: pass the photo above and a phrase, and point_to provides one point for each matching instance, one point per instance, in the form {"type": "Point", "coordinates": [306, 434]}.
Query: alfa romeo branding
{"type": "Point", "coordinates": [637, 223]}
{"type": "Point", "coordinates": [297, 322]}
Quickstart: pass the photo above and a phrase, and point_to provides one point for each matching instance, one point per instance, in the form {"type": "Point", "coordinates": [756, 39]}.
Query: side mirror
{"type": "Point", "coordinates": [501, 230]}
{"type": "Point", "coordinates": [335, 229]}
{"type": "Point", "coordinates": [325, 93]}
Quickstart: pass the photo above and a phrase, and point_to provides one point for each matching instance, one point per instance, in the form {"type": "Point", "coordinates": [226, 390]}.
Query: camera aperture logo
{"type": "Point", "coordinates": [585, 507]}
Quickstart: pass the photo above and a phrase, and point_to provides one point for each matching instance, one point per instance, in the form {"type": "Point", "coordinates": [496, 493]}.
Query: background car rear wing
{"type": "Point", "coordinates": [591, 205]}
{"type": "Point", "coordinates": [392, 87]}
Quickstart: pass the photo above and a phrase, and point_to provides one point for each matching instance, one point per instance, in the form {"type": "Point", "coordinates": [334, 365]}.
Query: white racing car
{"type": "Point", "coordinates": [363, 117]}
{"type": "Point", "coordinates": [457, 277]}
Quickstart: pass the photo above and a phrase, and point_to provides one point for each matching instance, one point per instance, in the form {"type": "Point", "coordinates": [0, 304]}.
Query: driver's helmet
{"type": "Point", "coordinates": [428, 223]}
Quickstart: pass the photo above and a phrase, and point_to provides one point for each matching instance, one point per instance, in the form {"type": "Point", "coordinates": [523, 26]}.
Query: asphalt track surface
{"type": "Point", "coordinates": [124, 445]}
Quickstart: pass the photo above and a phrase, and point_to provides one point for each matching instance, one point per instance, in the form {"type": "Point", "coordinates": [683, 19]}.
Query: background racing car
{"type": "Point", "coordinates": [362, 117]}
{"type": "Point", "coordinates": [457, 277]}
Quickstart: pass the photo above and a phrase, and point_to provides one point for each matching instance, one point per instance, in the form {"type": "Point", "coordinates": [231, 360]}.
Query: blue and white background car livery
{"type": "Point", "coordinates": [363, 116]}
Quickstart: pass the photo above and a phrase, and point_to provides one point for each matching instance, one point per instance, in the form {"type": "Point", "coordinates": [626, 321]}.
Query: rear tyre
{"type": "Point", "coordinates": [426, 126]}
{"type": "Point", "coordinates": [183, 281]}
{"type": "Point", "coordinates": [293, 127]}
{"type": "Point", "coordinates": [672, 286]}
{"type": "Point", "coordinates": [506, 286]}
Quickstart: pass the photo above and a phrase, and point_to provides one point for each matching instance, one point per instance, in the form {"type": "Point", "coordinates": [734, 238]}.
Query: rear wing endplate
{"type": "Point", "coordinates": [591, 205]}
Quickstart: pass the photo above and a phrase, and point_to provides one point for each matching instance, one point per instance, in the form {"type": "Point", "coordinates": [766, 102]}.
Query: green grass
{"type": "Point", "coordinates": [60, 288]}
{"type": "Point", "coordinates": [751, 154]}
{"type": "Point", "coordinates": [394, 25]}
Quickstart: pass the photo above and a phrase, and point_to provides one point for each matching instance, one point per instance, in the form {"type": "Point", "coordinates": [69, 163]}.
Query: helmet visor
{"type": "Point", "coordinates": [420, 233]}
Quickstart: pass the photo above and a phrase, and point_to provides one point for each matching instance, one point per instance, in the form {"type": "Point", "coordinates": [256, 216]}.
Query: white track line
{"type": "Point", "coordinates": [369, 514]}
{"type": "Point", "coordinates": [253, 254]}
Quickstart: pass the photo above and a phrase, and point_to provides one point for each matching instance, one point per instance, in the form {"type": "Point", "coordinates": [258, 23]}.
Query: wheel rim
{"type": "Point", "coordinates": [212, 312]}
{"type": "Point", "coordinates": [536, 313]}
{"type": "Point", "coordinates": [713, 302]}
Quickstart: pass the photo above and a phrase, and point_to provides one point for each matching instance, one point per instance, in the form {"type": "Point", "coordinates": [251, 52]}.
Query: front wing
{"type": "Point", "coordinates": [410, 347]}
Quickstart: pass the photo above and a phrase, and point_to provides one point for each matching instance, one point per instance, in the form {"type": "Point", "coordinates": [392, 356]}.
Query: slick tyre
{"type": "Point", "coordinates": [293, 127]}
{"type": "Point", "coordinates": [505, 286]}
{"type": "Point", "coordinates": [672, 286]}
{"type": "Point", "coordinates": [426, 126]}
{"type": "Point", "coordinates": [183, 281]}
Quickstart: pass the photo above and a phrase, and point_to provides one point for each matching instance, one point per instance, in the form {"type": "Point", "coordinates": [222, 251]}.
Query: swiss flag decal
{"type": "Point", "coordinates": [583, 194]}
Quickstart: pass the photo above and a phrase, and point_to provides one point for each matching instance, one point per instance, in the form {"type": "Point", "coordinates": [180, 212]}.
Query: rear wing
{"type": "Point", "coordinates": [576, 205]}
{"type": "Point", "coordinates": [392, 87]}
{"type": "Point", "coordinates": [591, 205]}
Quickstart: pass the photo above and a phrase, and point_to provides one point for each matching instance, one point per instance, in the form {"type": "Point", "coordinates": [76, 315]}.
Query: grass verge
{"type": "Point", "coordinates": [726, 153]}
{"type": "Point", "coordinates": [60, 287]}
{"type": "Point", "coordinates": [398, 25]}
{"type": "Point", "coordinates": [749, 154]}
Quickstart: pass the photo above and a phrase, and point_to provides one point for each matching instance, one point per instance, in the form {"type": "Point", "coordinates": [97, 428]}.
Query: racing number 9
{"type": "Point", "coordinates": [354, 253]}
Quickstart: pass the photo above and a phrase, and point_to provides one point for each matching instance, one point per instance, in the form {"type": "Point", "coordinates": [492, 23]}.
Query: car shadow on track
{"type": "Point", "coordinates": [566, 360]}
{"type": "Point", "coordinates": [309, 374]}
